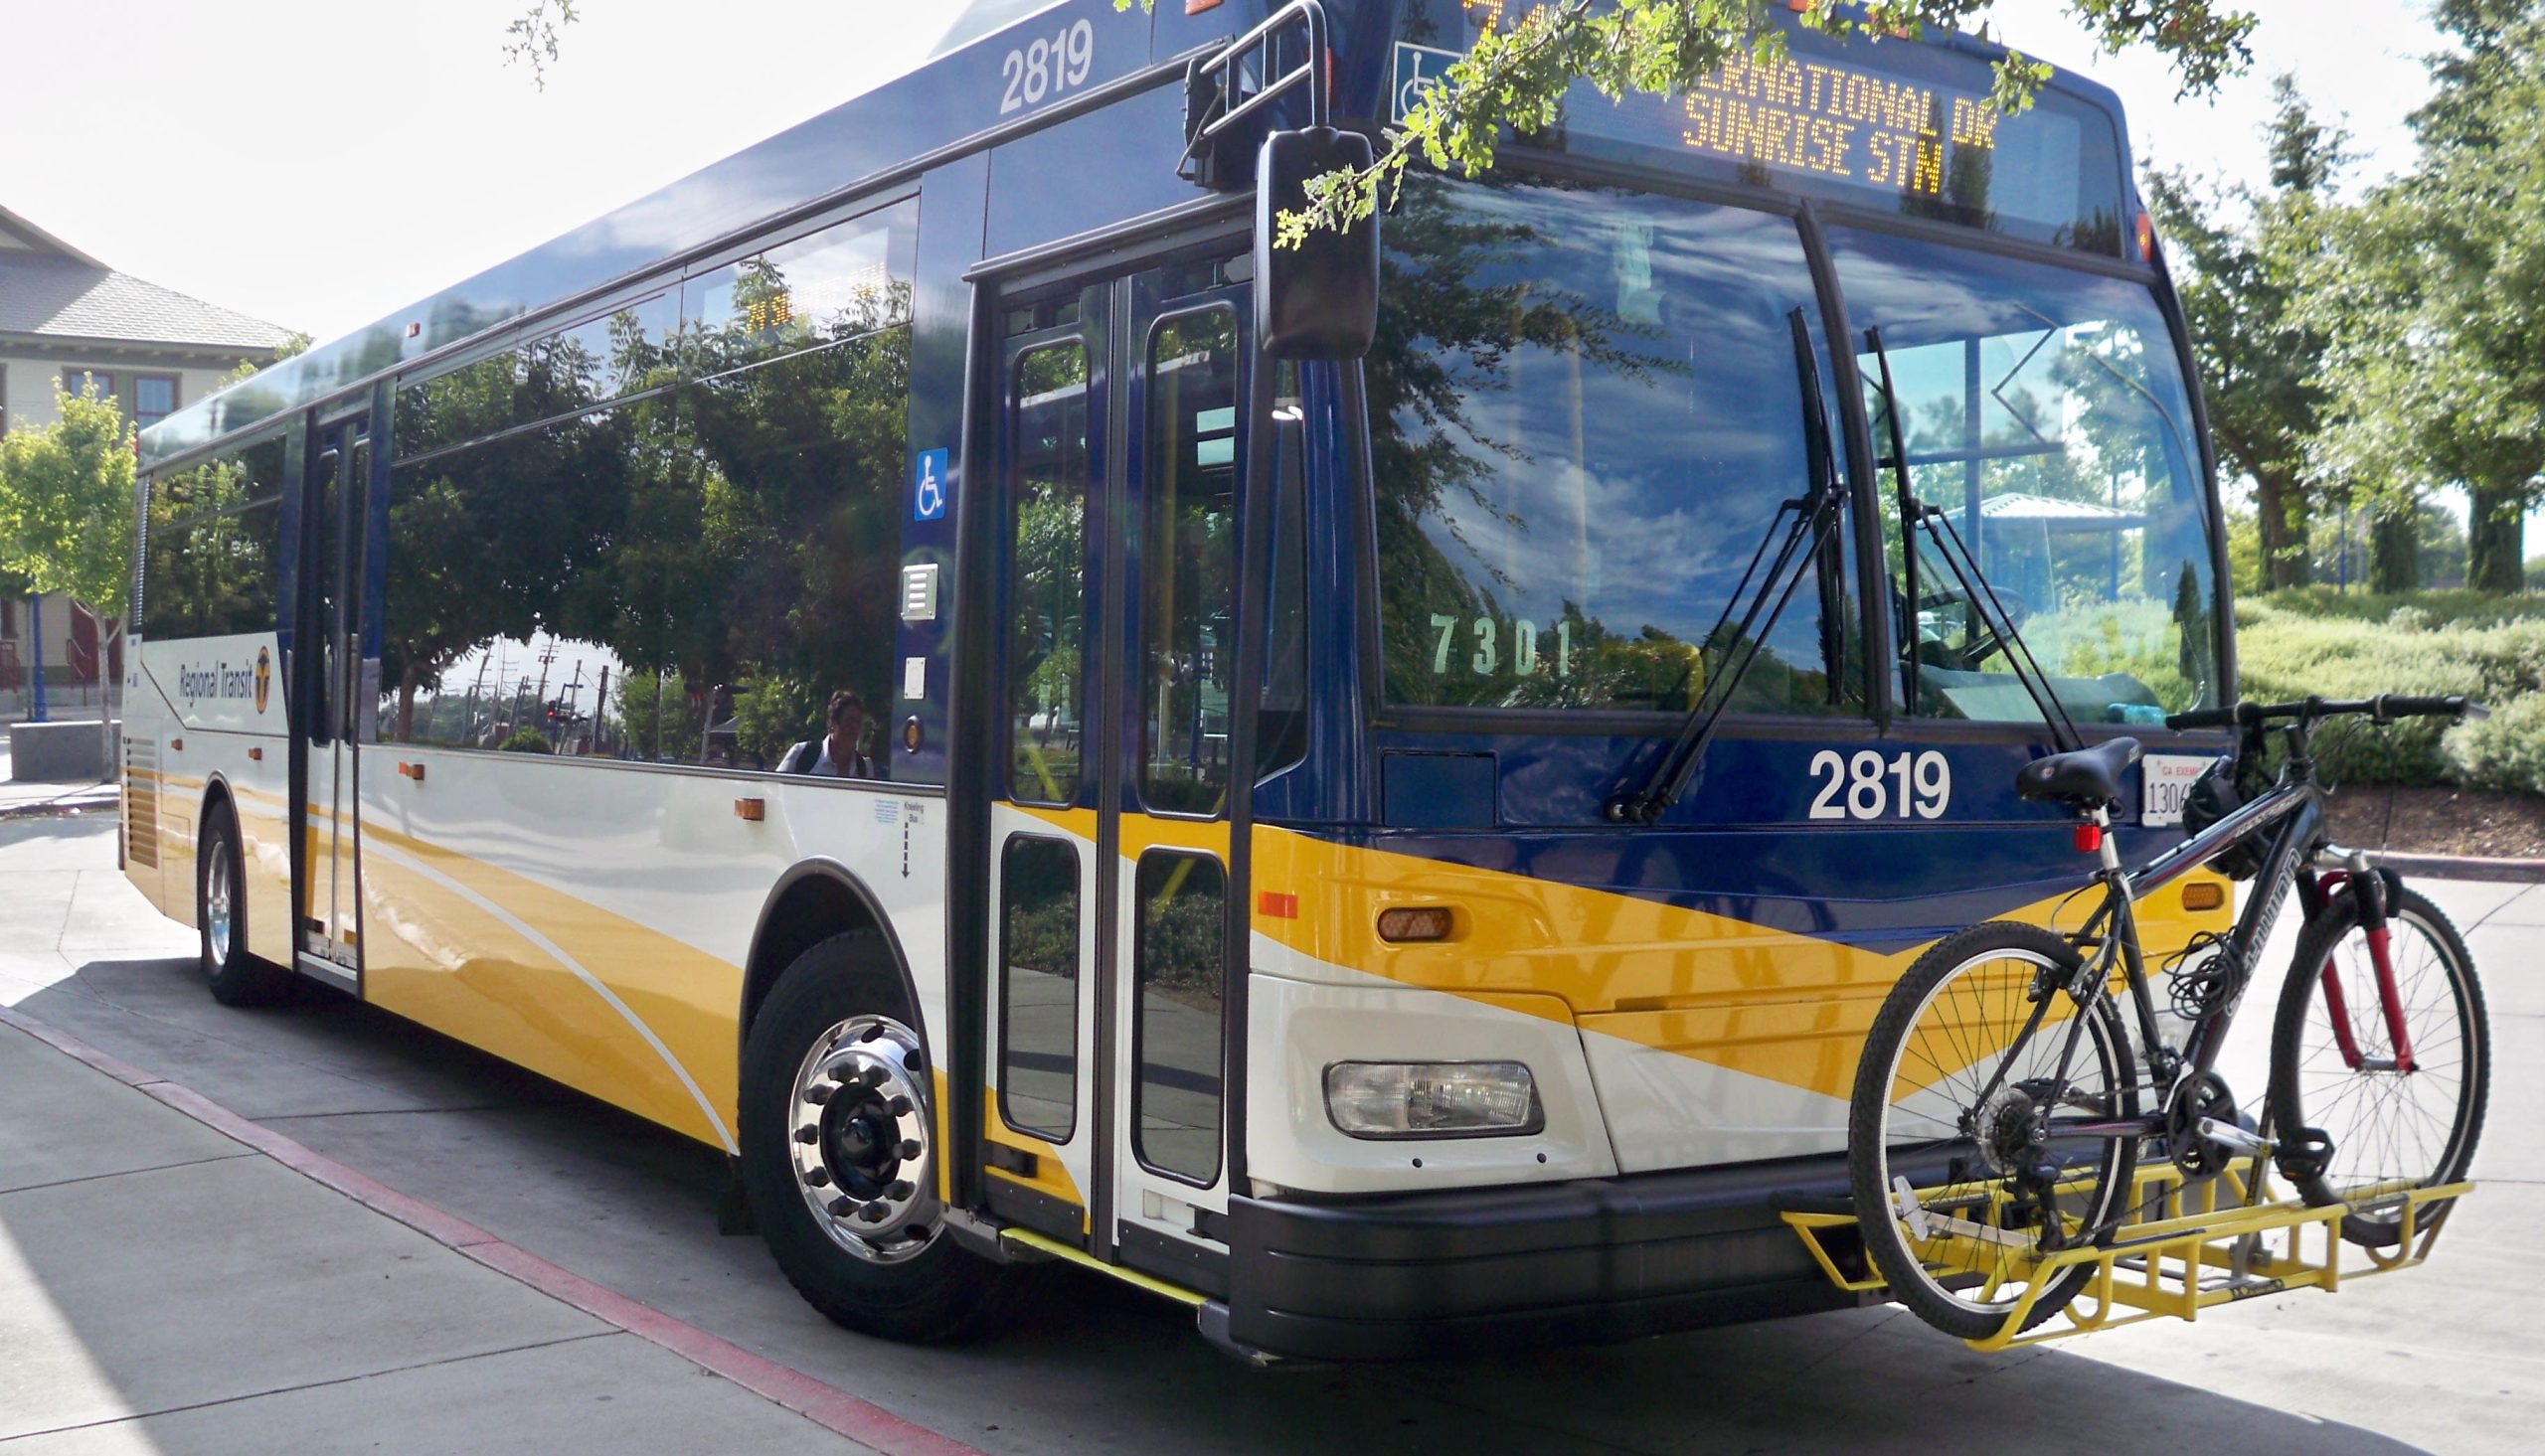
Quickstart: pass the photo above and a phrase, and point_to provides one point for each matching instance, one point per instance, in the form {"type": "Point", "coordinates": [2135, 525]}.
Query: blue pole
{"type": "Point", "coordinates": [35, 624]}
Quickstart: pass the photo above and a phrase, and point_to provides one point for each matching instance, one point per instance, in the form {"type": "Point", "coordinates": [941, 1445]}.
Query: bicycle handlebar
{"type": "Point", "coordinates": [2383, 707]}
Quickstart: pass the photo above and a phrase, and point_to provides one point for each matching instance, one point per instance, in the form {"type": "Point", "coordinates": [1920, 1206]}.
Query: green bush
{"type": "Point", "coordinates": [2505, 752]}
{"type": "Point", "coordinates": [2489, 648]}
{"type": "Point", "coordinates": [527, 740]}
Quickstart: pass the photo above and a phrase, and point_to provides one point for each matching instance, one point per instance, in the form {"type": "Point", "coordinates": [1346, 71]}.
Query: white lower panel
{"type": "Point", "coordinates": [1667, 1111]}
{"type": "Point", "coordinates": [1296, 1030]}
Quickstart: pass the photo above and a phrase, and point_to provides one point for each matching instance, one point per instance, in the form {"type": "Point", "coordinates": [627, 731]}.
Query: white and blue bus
{"type": "Point", "coordinates": [871, 659]}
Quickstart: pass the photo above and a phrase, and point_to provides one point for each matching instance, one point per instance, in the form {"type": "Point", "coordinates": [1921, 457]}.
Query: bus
{"type": "Point", "coordinates": [902, 658]}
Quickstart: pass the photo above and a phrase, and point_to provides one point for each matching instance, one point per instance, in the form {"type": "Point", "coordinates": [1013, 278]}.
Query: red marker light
{"type": "Point", "coordinates": [2090, 838]}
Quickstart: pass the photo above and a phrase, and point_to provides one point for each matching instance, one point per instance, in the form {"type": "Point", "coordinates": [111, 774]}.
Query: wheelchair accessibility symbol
{"type": "Point", "coordinates": [1418, 70]}
{"type": "Point", "coordinates": [927, 487]}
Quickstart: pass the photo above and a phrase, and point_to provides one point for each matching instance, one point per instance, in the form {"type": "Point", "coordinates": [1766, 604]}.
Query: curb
{"type": "Point", "coordinates": [823, 1404]}
{"type": "Point", "coordinates": [2464, 866]}
{"type": "Point", "coordinates": [77, 802]}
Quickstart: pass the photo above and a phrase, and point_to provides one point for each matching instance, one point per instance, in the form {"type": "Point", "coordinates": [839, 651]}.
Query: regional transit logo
{"type": "Point", "coordinates": [244, 682]}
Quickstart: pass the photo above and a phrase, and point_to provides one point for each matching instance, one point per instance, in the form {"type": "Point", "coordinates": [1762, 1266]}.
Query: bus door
{"type": "Point", "coordinates": [335, 497]}
{"type": "Point", "coordinates": [1121, 457]}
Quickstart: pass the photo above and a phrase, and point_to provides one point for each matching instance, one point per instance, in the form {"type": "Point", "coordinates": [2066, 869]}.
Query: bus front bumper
{"type": "Point", "coordinates": [1411, 1276]}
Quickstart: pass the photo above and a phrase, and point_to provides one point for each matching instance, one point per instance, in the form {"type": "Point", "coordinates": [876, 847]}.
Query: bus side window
{"type": "Point", "coordinates": [210, 544]}
{"type": "Point", "coordinates": [1047, 573]}
{"type": "Point", "coordinates": [1280, 733]}
{"type": "Point", "coordinates": [613, 543]}
{"type": "Point", "coordinates": [1038, 986]}
{"type": "Point", "coordinates": [1188, 562]}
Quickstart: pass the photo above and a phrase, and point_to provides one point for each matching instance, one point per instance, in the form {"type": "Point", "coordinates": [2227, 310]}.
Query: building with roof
{"type": "Point", "coordinates": [69, 320]}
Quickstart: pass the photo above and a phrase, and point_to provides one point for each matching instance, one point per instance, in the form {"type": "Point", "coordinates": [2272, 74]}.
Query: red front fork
{"type": "Point", "coordinates": [2390, 1000]}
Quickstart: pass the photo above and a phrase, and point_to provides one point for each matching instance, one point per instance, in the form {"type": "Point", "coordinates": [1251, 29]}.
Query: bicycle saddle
{"type": "Point", "coordinates": [2085, 777]}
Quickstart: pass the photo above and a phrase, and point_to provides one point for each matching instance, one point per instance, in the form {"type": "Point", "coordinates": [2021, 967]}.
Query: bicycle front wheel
{"type": "Point", "coordinates": [2334, 1063]}
{"type": "Point", "coordinates": [1962, 1177]}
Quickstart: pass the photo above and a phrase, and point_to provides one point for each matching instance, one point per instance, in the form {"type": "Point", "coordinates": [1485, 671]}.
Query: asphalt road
{"type": "Point", "coordinates": [2437, 1358]}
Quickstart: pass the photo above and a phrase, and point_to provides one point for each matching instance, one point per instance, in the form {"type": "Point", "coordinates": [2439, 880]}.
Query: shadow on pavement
{"type": "Point", "coordinates": [1090, 1366]}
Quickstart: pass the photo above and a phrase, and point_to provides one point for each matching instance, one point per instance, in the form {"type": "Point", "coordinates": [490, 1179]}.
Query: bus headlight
{"type": "Point", "coordinates": [1432, 1099]}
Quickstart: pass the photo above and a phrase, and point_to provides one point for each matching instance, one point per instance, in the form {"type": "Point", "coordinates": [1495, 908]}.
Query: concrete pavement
{"type": "Point", "coordinates": [2438, 1359]}
{"type": "Point", "coordinates": [165, 1287]}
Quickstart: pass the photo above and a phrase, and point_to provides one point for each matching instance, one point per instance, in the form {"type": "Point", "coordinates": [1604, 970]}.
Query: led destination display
{"type": "Point", "coordinates": [1893, 124]}
{"type": "Point", "coordinates": [1837, 121]}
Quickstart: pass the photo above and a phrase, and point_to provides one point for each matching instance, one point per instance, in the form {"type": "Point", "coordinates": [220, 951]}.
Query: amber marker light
{"type": "Point", "coordinates": [751, 810]}
{"type": "Point", "coordinates": [2146, 239]}
{"type": "Point", "coordinates": [2204, 895]}
{"type": "Point", "coordinates": [1407, 923]}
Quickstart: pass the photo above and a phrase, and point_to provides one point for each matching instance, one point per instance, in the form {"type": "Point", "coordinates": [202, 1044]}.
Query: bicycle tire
{"type": "Point", "coordinates": [2299, 1075]}
{"type": "Point", "coordinates": [1869, 1144]}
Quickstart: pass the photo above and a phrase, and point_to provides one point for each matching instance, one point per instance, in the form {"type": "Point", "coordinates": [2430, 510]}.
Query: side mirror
{"type": "Point", "coordinates": [1320, 299]}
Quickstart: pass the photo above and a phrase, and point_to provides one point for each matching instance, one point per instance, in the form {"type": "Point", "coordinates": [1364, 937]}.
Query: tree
{"type": "Point", "coordinates": [2436, 361]}
{"type": "Point", "coordinates": [66, 516]}
{"type": "Point", "coordinates": [2242, 281]}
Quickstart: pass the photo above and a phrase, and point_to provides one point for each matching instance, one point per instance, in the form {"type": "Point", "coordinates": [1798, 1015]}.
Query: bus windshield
{"type": "Point", "coordinates": [1587, 410]}
{"type": "Point", "coordinates": [2044, 413]}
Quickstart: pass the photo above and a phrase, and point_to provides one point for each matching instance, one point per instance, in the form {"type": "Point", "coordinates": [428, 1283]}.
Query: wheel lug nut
{"type": "Point", "coordinates": [808, 1134]}
{"type": "Point", "coordinates": [818, 1177]}
{"type": "Point", "coordinates": [898, 1106]}
{"type": "Point", "coordinates": [842, 1207]}
{"type": "Point", "coordinates": [908, 1148]}
{"type": "Point", "coordinates": [817, 1095]}
{"type": "Point", "coordinates": [897, 1189]}
{"type": "Point", "coordinates": [872, 1077]}
{"type": "Point", "coordinates": [875, 1213]}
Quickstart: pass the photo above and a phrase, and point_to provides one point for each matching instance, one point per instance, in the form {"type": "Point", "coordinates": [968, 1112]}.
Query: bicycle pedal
{"type": "Point", "coordinates": [2304, 1155]}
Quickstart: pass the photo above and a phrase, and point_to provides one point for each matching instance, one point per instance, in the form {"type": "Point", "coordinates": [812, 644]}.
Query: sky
{"type": "Point", "coordinates": [231, 154]}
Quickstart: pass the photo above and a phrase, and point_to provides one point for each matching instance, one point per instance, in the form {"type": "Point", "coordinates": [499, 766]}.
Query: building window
{"type": "Point", "coordinates": [155, 399]}
{"type": "Point", "coordinates": [73, 379]}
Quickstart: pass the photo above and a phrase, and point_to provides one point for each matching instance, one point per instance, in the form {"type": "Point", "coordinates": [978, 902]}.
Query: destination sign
{"type": "Point", "coordinates": [1893, 124]}
{"type": "Point", "coordinates": [1837, 121]}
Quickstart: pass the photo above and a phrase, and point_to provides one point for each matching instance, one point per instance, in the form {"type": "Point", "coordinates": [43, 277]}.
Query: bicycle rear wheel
{"type": "Point", "coordinates": [1931, 1108]}
{"type": "Point", "coordinates": [2391, 1130]}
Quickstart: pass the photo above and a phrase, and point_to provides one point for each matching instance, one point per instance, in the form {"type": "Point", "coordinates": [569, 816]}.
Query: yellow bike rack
{"type": "Point", "coordinates": [2188, 1249]}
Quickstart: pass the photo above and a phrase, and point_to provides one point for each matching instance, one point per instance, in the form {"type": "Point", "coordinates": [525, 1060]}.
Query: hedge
{"type": "Point", "coordinates": [2489, 648]}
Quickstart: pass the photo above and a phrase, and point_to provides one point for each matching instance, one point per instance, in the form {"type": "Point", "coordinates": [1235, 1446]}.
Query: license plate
{"type": "Point", "coordinates": [2163, 780]}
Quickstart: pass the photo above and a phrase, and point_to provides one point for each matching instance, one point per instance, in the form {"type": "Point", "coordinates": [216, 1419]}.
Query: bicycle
{"type": "Point", "coordinates": [1999, 1112]}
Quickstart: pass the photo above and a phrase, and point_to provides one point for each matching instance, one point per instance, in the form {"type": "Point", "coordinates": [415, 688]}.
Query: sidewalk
{"type": "Point", "coordinates": [174, 1279]}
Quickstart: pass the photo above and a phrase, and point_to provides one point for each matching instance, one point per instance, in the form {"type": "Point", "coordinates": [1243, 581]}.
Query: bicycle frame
{"type": "Point", "coordinates": [2291, 813]}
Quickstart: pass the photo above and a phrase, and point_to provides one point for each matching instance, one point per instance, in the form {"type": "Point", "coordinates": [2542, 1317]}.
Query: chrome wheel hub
{"type": "Point", "coordinates": [862, 1140]}
{"type": "Point", "coordinates": [217, 920]}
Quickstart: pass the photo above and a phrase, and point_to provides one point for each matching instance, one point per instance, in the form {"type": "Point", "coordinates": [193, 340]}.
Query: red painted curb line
{"type": "Point", "coordinates": [824, 1405]}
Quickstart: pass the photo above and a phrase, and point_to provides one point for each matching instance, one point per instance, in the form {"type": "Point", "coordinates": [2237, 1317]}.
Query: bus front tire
{"type": "Point", "coordinates": [221, 918]}
{"type": "Point", "coordinates": [839, 1154]}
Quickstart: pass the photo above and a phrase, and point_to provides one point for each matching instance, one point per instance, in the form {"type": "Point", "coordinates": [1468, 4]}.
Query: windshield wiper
{"type": "Point", "coordinates": [1798, 549]}
{"type": "Point", "coordinates": [1981, 598]}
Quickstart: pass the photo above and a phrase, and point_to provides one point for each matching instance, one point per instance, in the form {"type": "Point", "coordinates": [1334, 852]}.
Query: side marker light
{"type": "Point", "coordinates": [1416, 923]}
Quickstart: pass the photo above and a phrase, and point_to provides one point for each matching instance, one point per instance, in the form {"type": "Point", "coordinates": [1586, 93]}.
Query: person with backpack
{"type": "Point", "coordinates": [838, 754]}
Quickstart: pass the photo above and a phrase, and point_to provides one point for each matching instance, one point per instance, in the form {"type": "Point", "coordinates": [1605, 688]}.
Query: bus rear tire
{"type": "Point", "coordinates": [221, 918]}
{"type": "Point", "coordinates": [839, 1154]}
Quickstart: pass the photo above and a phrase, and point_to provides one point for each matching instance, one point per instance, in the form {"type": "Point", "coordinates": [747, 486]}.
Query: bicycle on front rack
{"type": "Point", "coordinates": [2000, 1111]}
